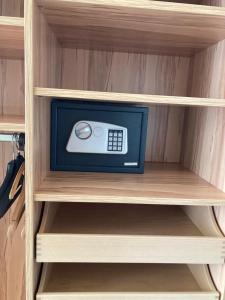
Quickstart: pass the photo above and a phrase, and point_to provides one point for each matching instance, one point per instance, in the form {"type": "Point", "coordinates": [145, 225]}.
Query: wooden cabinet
{"type": "Point", "coordinates": [159, 235]}
{"type": "Point", "coordinates": [12, 115]}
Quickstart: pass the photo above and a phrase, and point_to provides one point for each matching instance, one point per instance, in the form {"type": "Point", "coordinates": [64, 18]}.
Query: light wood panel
{"type": "Point", "coordinates": [127, 234]}
{"type": "Point", "coordinates": [12, 232]}
{"type": "Point", "coordinates": [204, 150]}
{"type": "Point", "coordinates": [132, 73]}
{"type": "Point", "coordinates": [125, 281]}
{"type": "Point", "coordinates": [40, 52]}
{"type": "Point", "coordinates": [12, 258]}
{"type": "Point", "coordinates": [161, 184]}
{"type": "Point", "coordinates": [12, 124]}
{"type": "Point", "coordinates": [49, 54]}
{"type": "Point", "coordinates": [12, 87]}
{"type": "Point", "coordinates": [12, 235]}
{"type": "Point", "coordinates": [127, 98]}
{"type": "Point", "coordinates": [107, 71]}
{"type": "Point", "coordinates": [11, 37]}
{"type": "Point", "coordinates": [12, 8]}
{"type": "Point", "coordinates": [137, 26]}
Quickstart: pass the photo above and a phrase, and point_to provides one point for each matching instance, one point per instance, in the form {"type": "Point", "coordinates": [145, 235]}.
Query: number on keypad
{"type": "Point", "coordinates": [115, 140]}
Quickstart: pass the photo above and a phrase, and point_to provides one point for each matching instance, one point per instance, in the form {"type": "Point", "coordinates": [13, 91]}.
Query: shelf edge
{"type": "Point", "coordinates": [127, 97]}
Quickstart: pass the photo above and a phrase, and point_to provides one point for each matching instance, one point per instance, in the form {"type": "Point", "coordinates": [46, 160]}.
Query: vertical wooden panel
{"type": "Point", "coordinates": [42, 67]}
{"type": "Point", "coordinates": [11, 87]}
{"type": "Point", "coordinates": [135, 73]}
{"type": "Point", "coordinates": [12, 8]}
{"type": "Point", "coordinates": [204, 144]}
{"type": "Point", "coordinates": [12, 241]}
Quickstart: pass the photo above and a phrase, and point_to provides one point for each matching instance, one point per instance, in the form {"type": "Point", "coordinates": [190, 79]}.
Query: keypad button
{"type": "Point", "coordinates": [115, 140]}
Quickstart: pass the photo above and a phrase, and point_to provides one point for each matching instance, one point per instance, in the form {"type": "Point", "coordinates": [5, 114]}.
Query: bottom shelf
{"type": "Point", "coordinates": [126, 281]}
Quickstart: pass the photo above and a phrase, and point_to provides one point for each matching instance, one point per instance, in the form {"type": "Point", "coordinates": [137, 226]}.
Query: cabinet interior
{"type": "Point", "coordinates": [186, 135]}
{"type": "Point", "coordinates": [163, 50]}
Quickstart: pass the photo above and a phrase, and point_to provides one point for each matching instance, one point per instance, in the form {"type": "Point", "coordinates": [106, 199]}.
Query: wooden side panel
{"type": "Point", "coordinates": [135, 73]}
{"type": "Point", "coordinates": [47, 73]}
{"type": "Point", "coordinates": [47, 53]}
{"type": "Point", "coordinates": [12, 250]}
{"type": "Point", "coordinates": [204, 144]}
{"type": "Point", "coordinates": [11, 87]}
{"type": "Point", "coordinates": [12, 8]}
{"type": "Point", "coordinates": [41, 52]}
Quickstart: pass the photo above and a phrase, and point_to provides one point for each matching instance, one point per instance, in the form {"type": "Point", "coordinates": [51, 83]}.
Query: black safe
{"type": "Point", "coordinates": [100, 137]}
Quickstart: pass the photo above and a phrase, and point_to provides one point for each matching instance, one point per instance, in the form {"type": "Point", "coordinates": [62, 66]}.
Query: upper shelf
{"type": "Point", "coordinates": [11, 37]}
{"type": "Point", "coordinates": [137, 26]}
{"type": "Point", "coordinates": [129, 98]}
{"type": "Point", "coordinates": [160, 184]}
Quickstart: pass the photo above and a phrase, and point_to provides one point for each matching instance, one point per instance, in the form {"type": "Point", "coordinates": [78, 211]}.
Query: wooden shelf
{"type": "Point", "coordinates": [11, 37]}
{"type": "Point", "coordinates": [129, 98]}
{"type": "Point", "coordinates": [126, 281]}
{"type": "Point", "coordinates": [119, 233]}
{"type": "Point", "coordinates": [12, 124]}
{"type": "Point", "coordinates": [137, 26]}
{"type": "Point", "coordinates": [161, 184]}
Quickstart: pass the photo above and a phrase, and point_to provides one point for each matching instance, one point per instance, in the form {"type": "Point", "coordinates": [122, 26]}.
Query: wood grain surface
{"type": "Point", "coordinates": [12, 241]}
{"type": "Point", "coordinates": [134, 74]}
{"type": "Point", "coordinates": [137, 26]}
{"type": "Point", "coordinates": [204, 148]}
{"type": "Point", "coordinates": [12, 8]}
{"type": "Point", "coordinates": [160, 184]}
{"type": "Point", "coordinates": [11, 37]}
{"type": "Point", "coordinates": [126, 281]}
{"type": "Point", "coordinates": [130, 98]}
{"type": "Point", "coordinates": [119, 233]}
{"type": "Point", "coordinates": [12, 226]}
{"type": "Point", "coordinates": [183, 30]}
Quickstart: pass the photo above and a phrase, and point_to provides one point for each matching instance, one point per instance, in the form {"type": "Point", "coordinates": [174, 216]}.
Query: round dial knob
{"type": "Point", "coordinates": [83, 130]}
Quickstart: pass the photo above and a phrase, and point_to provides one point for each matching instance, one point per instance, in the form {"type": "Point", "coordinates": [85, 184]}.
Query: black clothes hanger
{"type": "Point", "coordinates": [12, 186]}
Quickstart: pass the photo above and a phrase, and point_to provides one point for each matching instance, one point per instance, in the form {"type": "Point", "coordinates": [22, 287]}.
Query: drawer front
{"type": "Point", "coordinates": [138, 249]}
{"type": "Point", "coordinates": [128, 296]}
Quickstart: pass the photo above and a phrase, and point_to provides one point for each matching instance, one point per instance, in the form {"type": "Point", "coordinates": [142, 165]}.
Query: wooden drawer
{"type": "Point", "coordinates": [126, 281]}
{"type": "Point", "coordinates": [115, 233]}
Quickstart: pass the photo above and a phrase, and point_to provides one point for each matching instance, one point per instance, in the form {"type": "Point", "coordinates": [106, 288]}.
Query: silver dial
{"type": "Point", "coordinates": [83, 130]}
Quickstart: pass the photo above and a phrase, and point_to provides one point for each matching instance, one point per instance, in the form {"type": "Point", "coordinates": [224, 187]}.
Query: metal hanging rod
{"type": "Point", "coordinates": [18, 138]}
{"type": "Point", "coordinates": [7, 137]}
